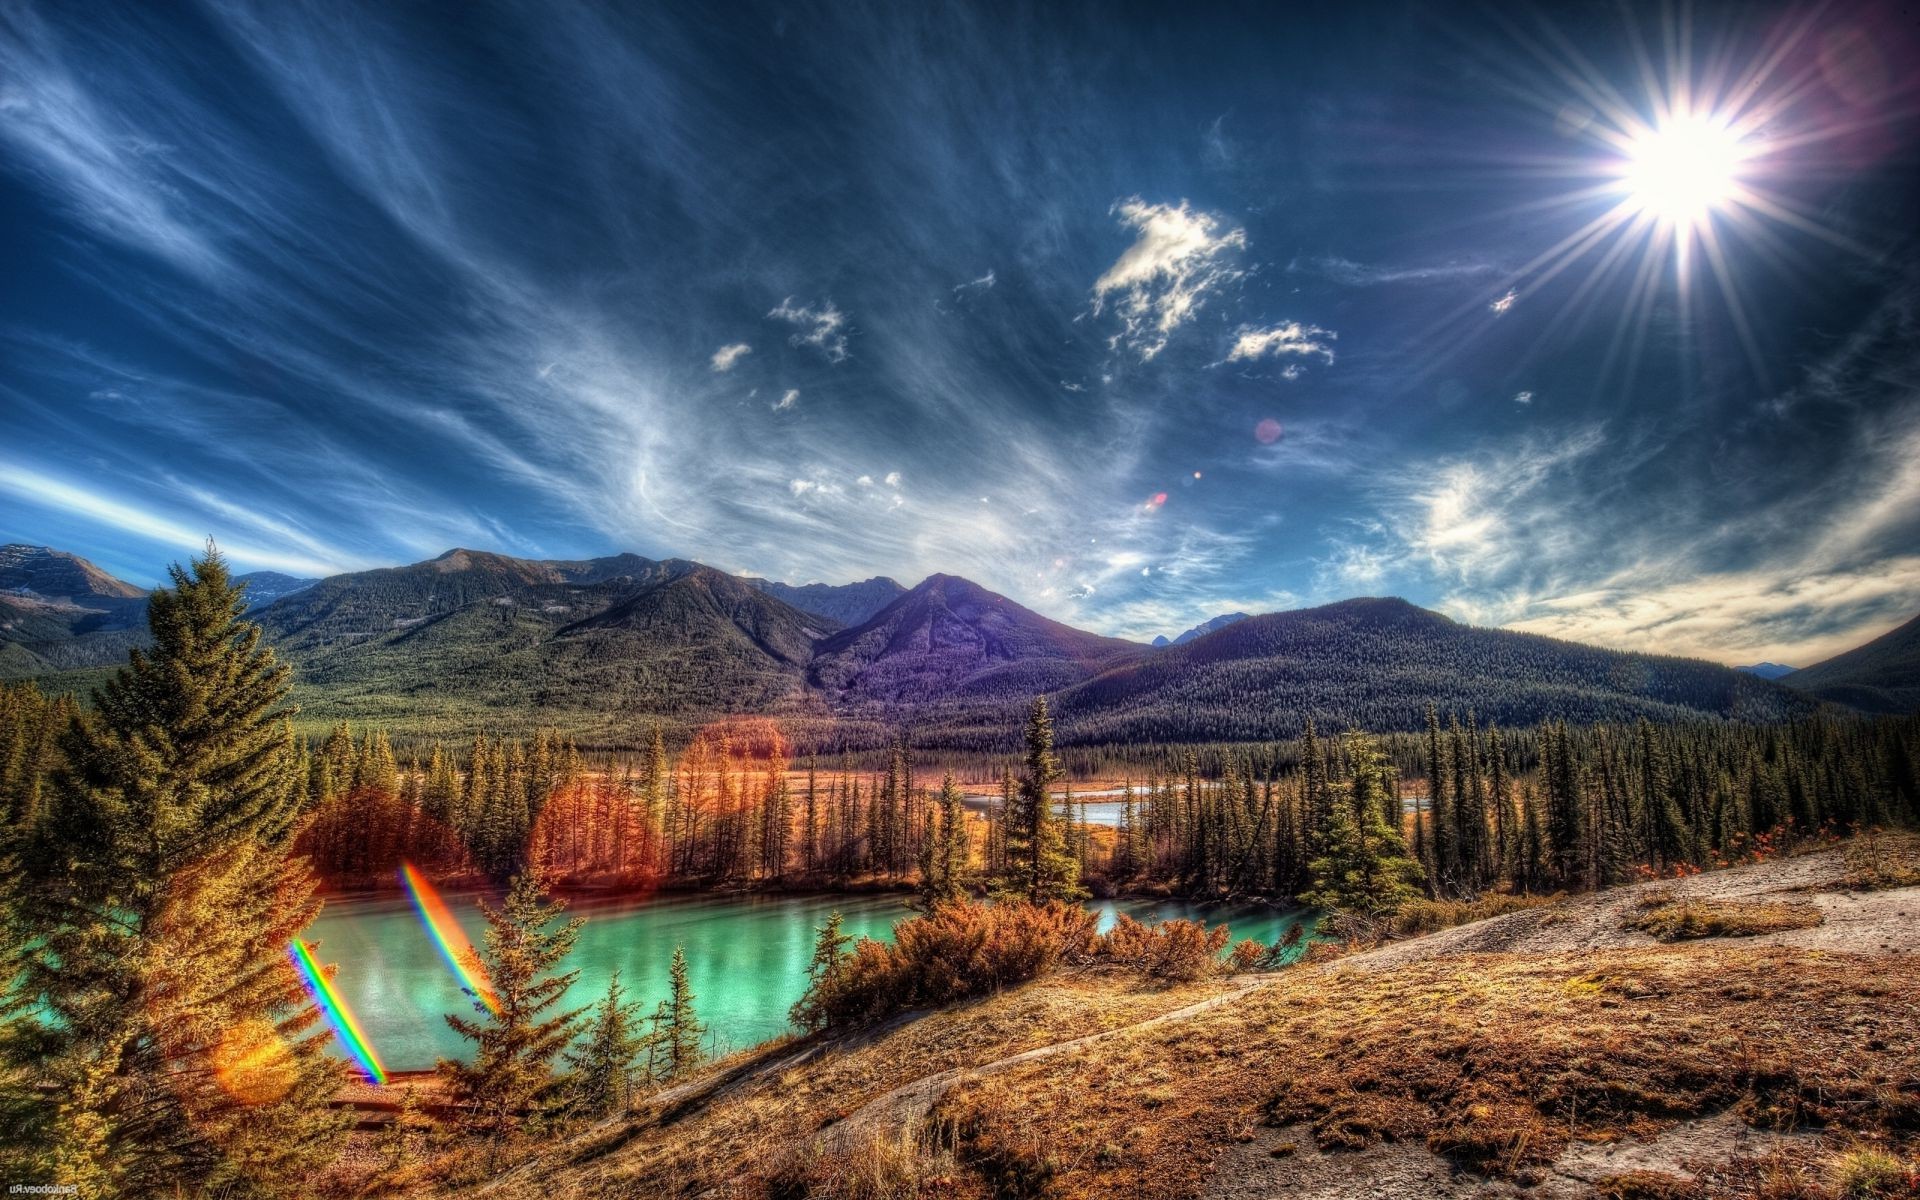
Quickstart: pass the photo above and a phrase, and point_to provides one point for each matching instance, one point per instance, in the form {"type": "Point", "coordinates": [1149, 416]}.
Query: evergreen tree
{"type": "Point", "coordinates": [943, 849]}
{"type": "Point", "coordinates": [1363, 870]}
{"type": "Point", "coordinates": [159, 898]}
{"type": "Point", "coordinates": [1446, 853]}
{"type": "Point", "coordinates": [518, 1036]}
{"type": "Point", "coordinates": [829, 952]}
{"type": "Point", "coordinates": [1039, 868]}
{"type": "Point", "coordinates": [677, 1028]}
{"type": "Point", "coordinates": [601, 1068]}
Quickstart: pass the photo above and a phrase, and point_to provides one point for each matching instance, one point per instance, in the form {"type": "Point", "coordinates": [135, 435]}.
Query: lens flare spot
{"type": "Point", "coordinates": [1267, 432]}
{"type": "Point", "coordinates": [334, 1007]}
{"type": "Point", "coordinates": [454, 946]}
{"type": "Point", "coordinates": [253, 1064]}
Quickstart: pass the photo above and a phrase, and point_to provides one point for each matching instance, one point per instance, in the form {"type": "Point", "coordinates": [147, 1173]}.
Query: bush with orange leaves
{"type": "Point", "coordinates": [1178, 951]}
{"type": "Point", "coordinates": [957, 951]}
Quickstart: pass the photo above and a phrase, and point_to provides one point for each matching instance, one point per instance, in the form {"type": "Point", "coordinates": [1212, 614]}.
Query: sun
{"type": "Point", "coordinates": [1684, 169]}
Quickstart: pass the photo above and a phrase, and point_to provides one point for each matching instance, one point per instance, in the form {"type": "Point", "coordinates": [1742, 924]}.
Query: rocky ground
{"type": "Point", "coordinates": [1555, 1052]}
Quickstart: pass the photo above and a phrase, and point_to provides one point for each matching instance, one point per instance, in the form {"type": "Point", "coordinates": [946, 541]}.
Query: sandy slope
{"type": "Point", "coordinates": [1053, 1046]}
{"type": "Point", "coordinates": [1884, 922]}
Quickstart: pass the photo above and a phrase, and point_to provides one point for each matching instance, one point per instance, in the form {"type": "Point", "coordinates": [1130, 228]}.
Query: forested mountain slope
{"type": "Point", "coordinates": [1882, 676]}
{"type": "Point", "coordinates": [1377, 663]}
{"type": "Point", "coordinates": [847, 603]}
{"type": "Point", "coordinates": [593, 641]}
{"type": "Point", "coordinates": [949, 639]}
{"type": "Point", "coordinates": [473, 641]}
{"type": "Point", "coordinates": [59, 612]}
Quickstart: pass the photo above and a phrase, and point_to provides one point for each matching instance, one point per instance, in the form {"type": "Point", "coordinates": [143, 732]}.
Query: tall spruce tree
{"type": "Point", "coordinates": [601, 1068]}
{"type": "Point", "coordinates": [1039, 866]}
{"type": "Point", "coordinates": [519, 1035]}
{"type": "Point", "coordinates": [830, 944]}
{"type": "Point", "coordinates": [677, 1029]}
{"type": "Point", "coordinates": [1363, 869]}
{"type": "Point", "coordinates": [159, 901]}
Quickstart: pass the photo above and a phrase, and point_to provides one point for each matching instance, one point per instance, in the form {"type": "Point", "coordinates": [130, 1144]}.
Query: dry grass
{"type": "Point", "coordinates": [1678, 920]}
{"type": "Point", "coordinates": [748, 1138]}
{"type": "Point", "coordinates": [1431, 916]}
{"type": "Point", "coordinates": [1497, 1063]}
{"type": "Point", "coordinates": [1869, 1173]}
{"type": "Point", "coordinates": [1876, 861]}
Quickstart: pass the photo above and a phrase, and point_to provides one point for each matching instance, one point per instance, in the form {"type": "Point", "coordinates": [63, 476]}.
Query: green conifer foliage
{"type": "Point", "coordinates": [511, 1077]}
{"type": "Point", "coordinates": [1363, 870]}
{"type": "Point", "coordinates": [601, 1068]}
{"type": "Point", "coordinates": [160, 899]}
{"type": "Point", "coordinates": [1039, 866]}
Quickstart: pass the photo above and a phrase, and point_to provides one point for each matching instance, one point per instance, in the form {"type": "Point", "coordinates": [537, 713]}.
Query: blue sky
{"type": "Point", "coordinates": [1135, 315]}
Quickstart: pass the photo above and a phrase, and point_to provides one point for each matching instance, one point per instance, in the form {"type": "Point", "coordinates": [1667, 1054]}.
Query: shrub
{"type": "Point", "coordinates": [1180, 951]}
{"type": "Point", "coordinates": [1876, 862]}
{"type": "Point", "coordinates": [1416, 917]}
{"type": "Point", "coordinates": [959, 950]}
{"type": "Point", "coordinates": [1682, 920]}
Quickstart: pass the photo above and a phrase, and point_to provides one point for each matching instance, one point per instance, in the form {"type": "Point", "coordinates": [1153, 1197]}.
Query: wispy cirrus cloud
{"type": "Point", "coordinates": [821, 326]}
{"type": "Point", "coordinates": [1348, 273]}
{"type": "Point", "coordinates": [1289, 339]}
{"type": "Point", "coordinates": [1179, 255]}
{"type": "Point", "coordinates": [333, 286]}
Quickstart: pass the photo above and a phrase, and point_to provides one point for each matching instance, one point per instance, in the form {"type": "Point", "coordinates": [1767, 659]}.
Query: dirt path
{"type": "Point", "coordinates": [1885, 922]}
{"type": "Point", "coordinates": [908, 1105]}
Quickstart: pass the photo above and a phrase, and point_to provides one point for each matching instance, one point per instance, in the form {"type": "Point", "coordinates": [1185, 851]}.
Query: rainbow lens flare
{"type": "Point", "coordinates": [334, 1005]}
{"type": "Point", "coordinates": [447, 934]}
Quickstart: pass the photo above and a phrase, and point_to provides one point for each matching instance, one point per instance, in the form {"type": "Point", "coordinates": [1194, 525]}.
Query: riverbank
{"type": "Point", "coordinates": [746, 953]}
{"type": "Point", "coordinates": [1510, 1055]}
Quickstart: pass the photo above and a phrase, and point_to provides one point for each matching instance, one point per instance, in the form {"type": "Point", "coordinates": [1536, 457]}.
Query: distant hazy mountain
{"type": "Point", "coordinates": [606, 647]}
{"type": "Point", "coordinates": [264, 587]}
{"type": "Point", "coordinates": [56, 575]}
{"type": "Point", "coordinates": [1767, 670]}
{"type": "Point", "coordinates": [1882, 676]}
{"type": "Point", "coordinates": [59, 612]}
{"type": "Point", "coordinates": [1376, 664]}
{"type": "Point", "coordinates": [950, 639]}
{"type": "Point", "coordinates": [1202, 629]}
{"type": "Point", "coordinates": [847, 603]}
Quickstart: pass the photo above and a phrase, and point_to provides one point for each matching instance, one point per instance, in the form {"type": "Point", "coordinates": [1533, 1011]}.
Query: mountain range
{"type": "Point", "coordinates": [1202, 629]}
{"type": "Point", "coordinates": [473, 640]}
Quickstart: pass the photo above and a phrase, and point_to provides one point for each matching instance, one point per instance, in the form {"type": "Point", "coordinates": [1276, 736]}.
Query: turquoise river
{"type": "Point", "coordinates": [746, 955]}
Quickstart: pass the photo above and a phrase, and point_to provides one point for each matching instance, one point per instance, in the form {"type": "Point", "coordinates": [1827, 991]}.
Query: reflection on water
{"type": "Point", "coordinates": [746, 956]}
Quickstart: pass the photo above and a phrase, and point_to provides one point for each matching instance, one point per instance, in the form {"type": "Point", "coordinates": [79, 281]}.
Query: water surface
{"type": "Point", "coordinates": [746, 957]}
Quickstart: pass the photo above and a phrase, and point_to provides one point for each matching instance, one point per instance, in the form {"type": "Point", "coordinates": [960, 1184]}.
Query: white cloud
{"type": "Point", "coordinates": [815, 486]}
{"type": "Point", "coordinates": [725, 358]}
{"type": "Point", "coordinates": [1355, 274]}
{"type": "Point", "coordinates": [823, 328]}
{"type": "Point", "coordinates": [1475, 518]}
{"type": "Point", "coordinates": [981, 284]}
{"type": "Point", "coordinates": [893, 479]}
{"type": "Point", "coordinates": [1286, 338]}
{"type": "Point", "coordinates": [1161, 280]}
{"type": "Point", "coordinates": [1523, 397]}
{"type": "Point", "coordinates": [1353, 568]}
{"type": "Point", "coordinates": [1734, 616]}
{"type": "Point", "coordinates": [184, 537]}
{"type": "Point", "coordinates": [787, 399]}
